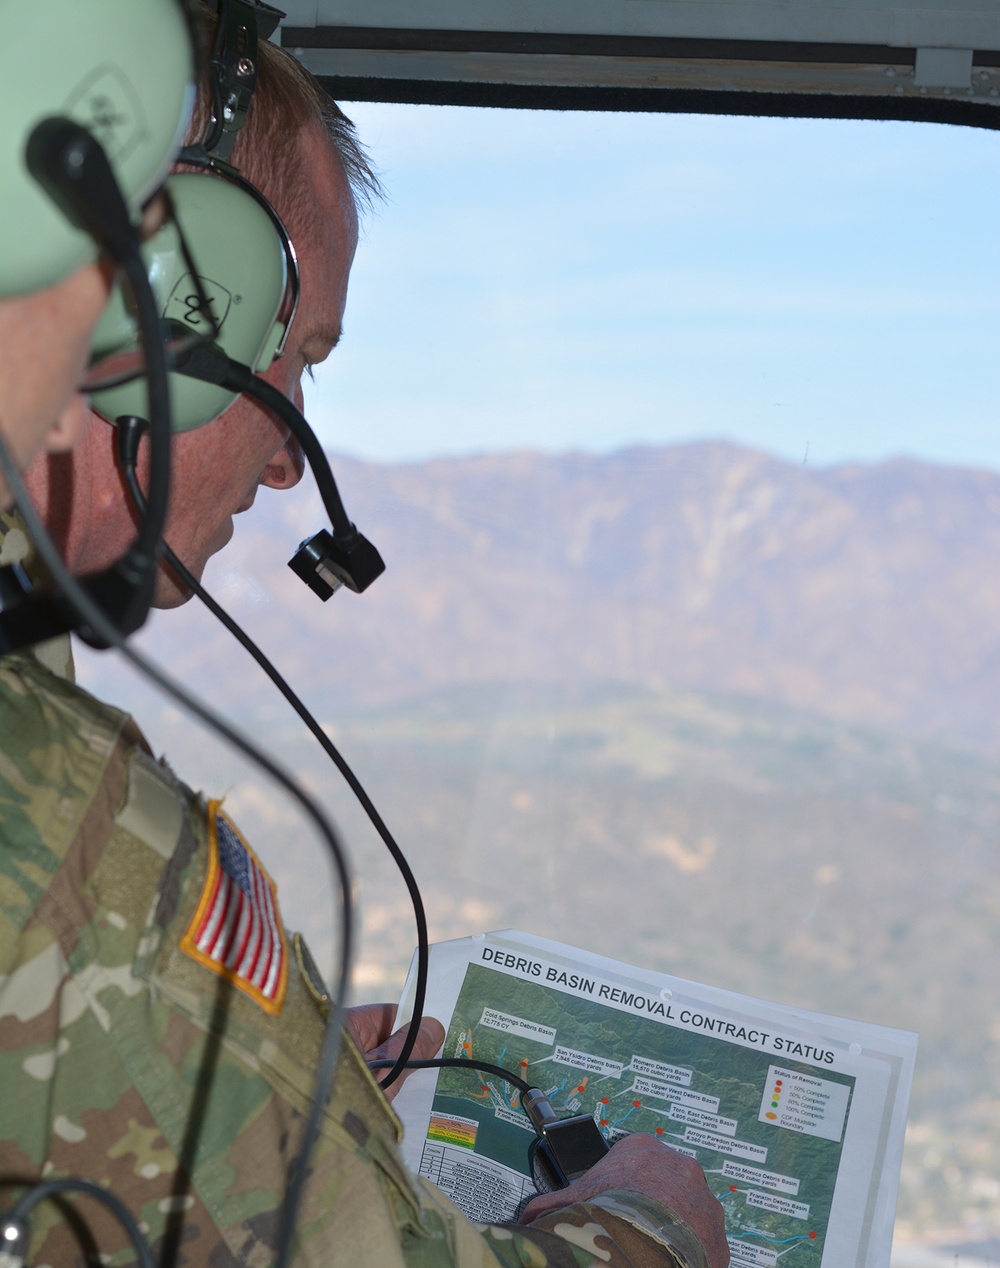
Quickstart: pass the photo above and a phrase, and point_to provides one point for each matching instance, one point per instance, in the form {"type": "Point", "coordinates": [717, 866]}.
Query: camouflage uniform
{"type": "Point", "coordinates": [127, 1061]}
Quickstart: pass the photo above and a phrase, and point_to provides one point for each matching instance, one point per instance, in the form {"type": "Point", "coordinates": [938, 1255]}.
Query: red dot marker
{"type": "Point", "coordinates": [733, 1189]}
{"type": "Point", "coordinates": [604, 1100]}
{"type": "Point", "coordinates": [636, 1104]}
{"type": "Point", "coordinates": [581, 1087]}
{"type": "Point", "coordinates": [659, 1131]}
{"type": "Point", "coordinates": [813, 1236]}
{"type": "Point", "coordinates": [604, 1122]}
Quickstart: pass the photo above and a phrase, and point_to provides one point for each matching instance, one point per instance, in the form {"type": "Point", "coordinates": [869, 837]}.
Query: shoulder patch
{"type": "Point", "coordinates": [236, 929]}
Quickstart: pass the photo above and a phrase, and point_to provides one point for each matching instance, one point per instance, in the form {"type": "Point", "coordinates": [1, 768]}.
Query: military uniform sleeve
{"type": "Point", "coordinates": [157, 1037]}
{"type": "Point", "coordinates": [619, 1227]}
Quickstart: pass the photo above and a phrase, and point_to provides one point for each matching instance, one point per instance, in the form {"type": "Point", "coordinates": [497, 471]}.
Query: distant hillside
{"type": "Point", "coordinates": [869, 594]}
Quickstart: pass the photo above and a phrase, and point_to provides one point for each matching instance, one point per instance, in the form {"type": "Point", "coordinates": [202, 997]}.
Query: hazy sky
{"type": "Point", "coordinates": [823, 290]}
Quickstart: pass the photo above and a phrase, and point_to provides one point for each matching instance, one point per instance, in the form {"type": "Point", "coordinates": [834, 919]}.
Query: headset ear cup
{"type": "Point", "coordinates": [120, 68]}
{"type": "Point", "coordinates": [243, 269]}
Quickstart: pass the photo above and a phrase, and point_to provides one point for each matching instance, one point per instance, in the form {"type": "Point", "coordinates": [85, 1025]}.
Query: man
{"type": "Point", "coordinates": [132, 1049]}
{"type": "Point", "coordinates": [63, 61]}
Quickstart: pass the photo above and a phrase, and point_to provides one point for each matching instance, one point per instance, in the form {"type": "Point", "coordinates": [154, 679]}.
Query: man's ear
{"type": "Point", "coordinates": [286, 467]}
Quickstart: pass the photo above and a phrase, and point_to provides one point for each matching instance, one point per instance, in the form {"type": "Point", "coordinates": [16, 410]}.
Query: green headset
{"type": "Point", "coordinates": [246, 274]}
{"type": "Point", "coordinates": [225, 250]}
{"type": "Point", "coordinates": [121, 68]}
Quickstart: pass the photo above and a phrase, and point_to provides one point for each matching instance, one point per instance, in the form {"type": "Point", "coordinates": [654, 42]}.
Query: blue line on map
{"type": "Point", "coordinates": [778, 1241]}
{"type": "Point", "coordinates": [623, 1117]}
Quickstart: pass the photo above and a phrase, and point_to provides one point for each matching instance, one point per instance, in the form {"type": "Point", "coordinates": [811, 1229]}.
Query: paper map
{"type": "Point", "coordinates": [796, 1118]}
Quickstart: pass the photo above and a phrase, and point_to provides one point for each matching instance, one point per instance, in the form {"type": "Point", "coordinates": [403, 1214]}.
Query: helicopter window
{"type": "Point", "coordinates": [678, 435]}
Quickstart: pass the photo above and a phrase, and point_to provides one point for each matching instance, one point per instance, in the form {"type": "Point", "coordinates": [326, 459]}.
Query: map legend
{"type": "Point", "coordinates": [801, 1103]}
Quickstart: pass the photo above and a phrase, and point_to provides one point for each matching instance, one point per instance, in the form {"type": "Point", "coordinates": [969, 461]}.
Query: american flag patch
{"type": "Point", "coordinates": [236, 930]}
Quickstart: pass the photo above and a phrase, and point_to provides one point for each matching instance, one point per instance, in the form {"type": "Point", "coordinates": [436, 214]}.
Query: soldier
{"type": "Point", "coordinates": [54, 279]}
{"type": "Point", "coordinates": [138, 1047]}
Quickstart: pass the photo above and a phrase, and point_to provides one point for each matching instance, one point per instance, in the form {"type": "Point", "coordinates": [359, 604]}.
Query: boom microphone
{"type": "Point", "coordinates": [326, 561]}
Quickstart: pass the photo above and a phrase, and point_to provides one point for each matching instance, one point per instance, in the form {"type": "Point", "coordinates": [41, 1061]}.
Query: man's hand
{"type": "Point", "coordinates": [646, 1165]}
{"type": "Point", "coordinates": [370, 1026]}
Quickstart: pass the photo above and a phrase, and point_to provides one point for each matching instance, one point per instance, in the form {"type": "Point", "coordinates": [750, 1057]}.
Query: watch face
{"type": "Point", "coordinates": [576, 1145]}
{"type": "Point", "coordinates": [567, 1150]}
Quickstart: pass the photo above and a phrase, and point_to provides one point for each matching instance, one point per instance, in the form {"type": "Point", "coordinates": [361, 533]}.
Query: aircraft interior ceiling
{"type": "Point", "coordinates": [934, 62]}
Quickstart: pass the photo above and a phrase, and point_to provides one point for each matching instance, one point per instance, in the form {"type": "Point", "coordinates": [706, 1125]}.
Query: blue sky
{"type": "Point", "coordinates": [827, 291]}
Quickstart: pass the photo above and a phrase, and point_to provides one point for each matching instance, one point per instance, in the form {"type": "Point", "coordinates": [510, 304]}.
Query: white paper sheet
{"type": "Point", "coordinates": [797, 1118]}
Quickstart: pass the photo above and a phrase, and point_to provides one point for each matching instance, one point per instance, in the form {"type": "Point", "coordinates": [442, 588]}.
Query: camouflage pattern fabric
{"type": "Point", "coordinates": [126, 1061]}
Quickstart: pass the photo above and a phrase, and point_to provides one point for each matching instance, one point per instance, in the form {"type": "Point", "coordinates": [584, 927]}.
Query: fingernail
{"type": "Point", "coordinates": [432, 1031]}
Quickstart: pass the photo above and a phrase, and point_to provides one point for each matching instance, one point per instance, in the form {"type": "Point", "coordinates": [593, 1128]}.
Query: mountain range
{"type": "Point", "coordinates": [869, 594]}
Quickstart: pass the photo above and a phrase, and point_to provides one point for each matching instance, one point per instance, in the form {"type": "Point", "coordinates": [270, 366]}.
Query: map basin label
{"type": "Point", "coordinates": [514, 1117]}
{"type": "Point", "coordinates": [587, 1061]}
{"type": "Point", "coordinates": [699, 1118]}
{"type": "Point", "coordinates": [723, 1145]}
{"type": "Point", "coordinates": [517, 1026]}
{"type": "Point", "coordinates": [697, 1100]}
{"type": "Point", "coordinates": [754, 1256]}
{"type": "Point", "coordinates": [670, 1092]}
{"type": "Point", "coordinates": [753, 1175]}
{"type": "Point", "coordinates": [661, 1070]}
{"type": "Point", "coordinates": [771, 1202]}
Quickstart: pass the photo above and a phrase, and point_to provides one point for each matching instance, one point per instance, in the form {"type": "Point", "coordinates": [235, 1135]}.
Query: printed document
{"type": "Point", "coordinates": [796, 1118]}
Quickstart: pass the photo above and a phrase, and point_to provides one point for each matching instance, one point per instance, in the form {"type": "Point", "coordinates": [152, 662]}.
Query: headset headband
{"type": "Point", "coordinates": [234, 68]}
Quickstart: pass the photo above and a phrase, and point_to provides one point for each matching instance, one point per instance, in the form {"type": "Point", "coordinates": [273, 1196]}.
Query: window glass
{"type": "Point", "coordinates": [677, 435]}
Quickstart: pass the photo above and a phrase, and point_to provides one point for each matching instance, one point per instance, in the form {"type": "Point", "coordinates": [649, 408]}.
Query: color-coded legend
{"type": "Point", "coordinates": [803, 1103]}
{"type": "Point", "coordinates": [452, 1129]}
{"type": "Point", "coordinates": [775, 1100]}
